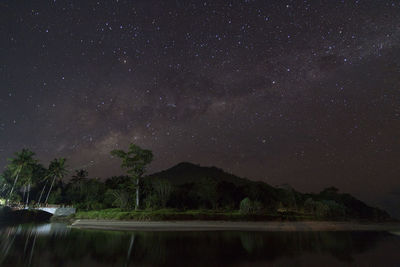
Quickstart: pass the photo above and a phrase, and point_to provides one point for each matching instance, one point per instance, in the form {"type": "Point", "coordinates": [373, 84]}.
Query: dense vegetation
{"type": "Point", "coordinates": [185, 191]}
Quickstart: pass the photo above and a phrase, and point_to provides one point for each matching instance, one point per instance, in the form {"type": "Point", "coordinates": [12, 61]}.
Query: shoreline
{"type": "Point", "coordinates": [272, 226]}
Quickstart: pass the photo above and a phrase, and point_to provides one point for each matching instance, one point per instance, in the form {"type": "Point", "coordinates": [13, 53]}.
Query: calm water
{"type": "Point", "coordinates": [57, 245]}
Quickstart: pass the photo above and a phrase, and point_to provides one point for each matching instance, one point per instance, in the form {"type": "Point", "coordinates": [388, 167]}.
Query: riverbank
{"type": "Point", "coordinates": [286, 226]}
{"type": "Point", "coordinates": [206, 215]}
{"type": "Point", "coordinates": [188, 215]}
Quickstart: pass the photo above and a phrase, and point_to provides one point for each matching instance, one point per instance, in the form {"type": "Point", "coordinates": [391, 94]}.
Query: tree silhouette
{"type": "Point", "coordinates": [22, 161]}
{"type": "Point", "coordinates": [27, 174]}
{"type": "Point", "coordinates": [163, 188]}
{"type": "Point", "coordinates": [135, 161]}
{"type": "Point", "coordinates": [78, 179]}
{"type": "Point", "coordinates": [57, 169]}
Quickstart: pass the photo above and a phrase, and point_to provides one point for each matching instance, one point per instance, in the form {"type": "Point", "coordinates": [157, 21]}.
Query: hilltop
{"type": "Point", "coordinates": [186, 172]}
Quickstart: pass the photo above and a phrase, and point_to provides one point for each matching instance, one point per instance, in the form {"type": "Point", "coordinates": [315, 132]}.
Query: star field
{"type": "Point", "coordinates": [298, 92]}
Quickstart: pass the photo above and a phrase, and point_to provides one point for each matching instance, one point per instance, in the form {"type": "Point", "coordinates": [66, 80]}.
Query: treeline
{"type": "Point", "coordinates": [27, 181]}
{"type": "Point", "coordinates": [183, 187]}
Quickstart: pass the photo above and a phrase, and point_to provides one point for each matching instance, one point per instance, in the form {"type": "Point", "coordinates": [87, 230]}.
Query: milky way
{"type": "Point", "coordinates": [298, 92]}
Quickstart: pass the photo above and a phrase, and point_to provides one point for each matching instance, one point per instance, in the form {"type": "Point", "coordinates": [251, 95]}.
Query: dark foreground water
{"type": "Point", "coordinates": [57, 245]}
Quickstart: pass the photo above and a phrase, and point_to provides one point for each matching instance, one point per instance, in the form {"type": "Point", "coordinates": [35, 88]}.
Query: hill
{"type": "Point", "coordinates": [197, 187]}
{"type": "Point", "coordinates": [186, 172]}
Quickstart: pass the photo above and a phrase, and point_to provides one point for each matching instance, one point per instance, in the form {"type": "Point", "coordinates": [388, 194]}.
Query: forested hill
{"type": "Point", "coordinates": [186, 172]}
{"type": "Point", "coordinates": [209, 187]}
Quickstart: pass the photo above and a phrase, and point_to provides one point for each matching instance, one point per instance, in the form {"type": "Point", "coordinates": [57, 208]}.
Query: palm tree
{"type": "Point", "coordinates": [30, 177]}
{"type": "Point", "coordinates": [27, 186]}
{"type": "Point", "coordinates": [21, 161]}
{"type": "Point", "coordinates": [135, 161]}
{"type": "Point", "coordinates": [78, 179]}
{"type": "Point", "coordinates": [44, 187]}
{"type": "Point", "coordinates": [57, 169]}
{"type": "Point", "coordinates": [38, 172]}
{"type": "Point", "coordinates": [121, 198]}
{"type": "Point", "coordinates": [3, 189]}
{"type": "Point", "coordinates": [46, 178]}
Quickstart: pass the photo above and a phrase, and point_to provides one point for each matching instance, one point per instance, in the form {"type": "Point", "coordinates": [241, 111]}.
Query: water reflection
{"type": "Point", "coordinates": [58, 245]}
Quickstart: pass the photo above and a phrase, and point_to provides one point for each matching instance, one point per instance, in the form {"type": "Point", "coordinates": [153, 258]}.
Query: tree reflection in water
{"type": "Point", "coordinates": [58, 245]}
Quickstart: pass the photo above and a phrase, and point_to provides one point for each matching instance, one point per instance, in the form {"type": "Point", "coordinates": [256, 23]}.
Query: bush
{"type": "Point", "coordinates": [309, 206]}
{"type": "Point", "coordinates": [321, 209]}
{"type": "Point", "coordinates": [152, 202]}
{"type": "Point", "coordinates": [325, 208]}
{"type": "Point", "coordinates": [247, 206]}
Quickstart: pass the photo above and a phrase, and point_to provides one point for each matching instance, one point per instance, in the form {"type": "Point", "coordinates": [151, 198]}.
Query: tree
{"type": "Point", "coordinates": [309, 205]}
{"type": "Point", "coordinates": [3, 186]}
{"type": "Point", "coordinates": [74, 190]}
{"type": "Point", "coordinates": [330, 191]}
{"type": "Point", "coordinates": [247, 206]}
{"type": "Point", "coordinates": [27, 182]}
{"type": "Point", "coordinates": [43, 178]}
{"type": "Point", "coordinates": [135, 161]}
{"type": "Point", "coordinates": [44, 188]}
{"type": "Point", "coordinates": [22, 160]}
{"type": "Point", "coordinates": [57, 169]}
{"type": "Point", "coordinates": [79, 178]}
{"type": "Point", "coordinates": [121, 198]}
{"type": "Point", "coordinates": [93, 194]}
{"type": "Point", "coordinates": [207, 190]}
{"type": "Point", "coordinates": [163, 189]}
{"type": "Point", "coordinates": [120, 192]}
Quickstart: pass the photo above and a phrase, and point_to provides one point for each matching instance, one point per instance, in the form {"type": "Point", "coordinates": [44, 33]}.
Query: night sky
{"type": "Point", "coordinates": [298, 92]}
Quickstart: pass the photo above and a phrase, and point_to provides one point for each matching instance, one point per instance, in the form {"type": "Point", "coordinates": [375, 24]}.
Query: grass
{"type": "Point", "coordinates": [171, 214]}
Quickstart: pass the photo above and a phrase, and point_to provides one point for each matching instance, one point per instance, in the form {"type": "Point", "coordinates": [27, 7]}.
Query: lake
{"type": "Point", "coordinates": [57, 245]}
